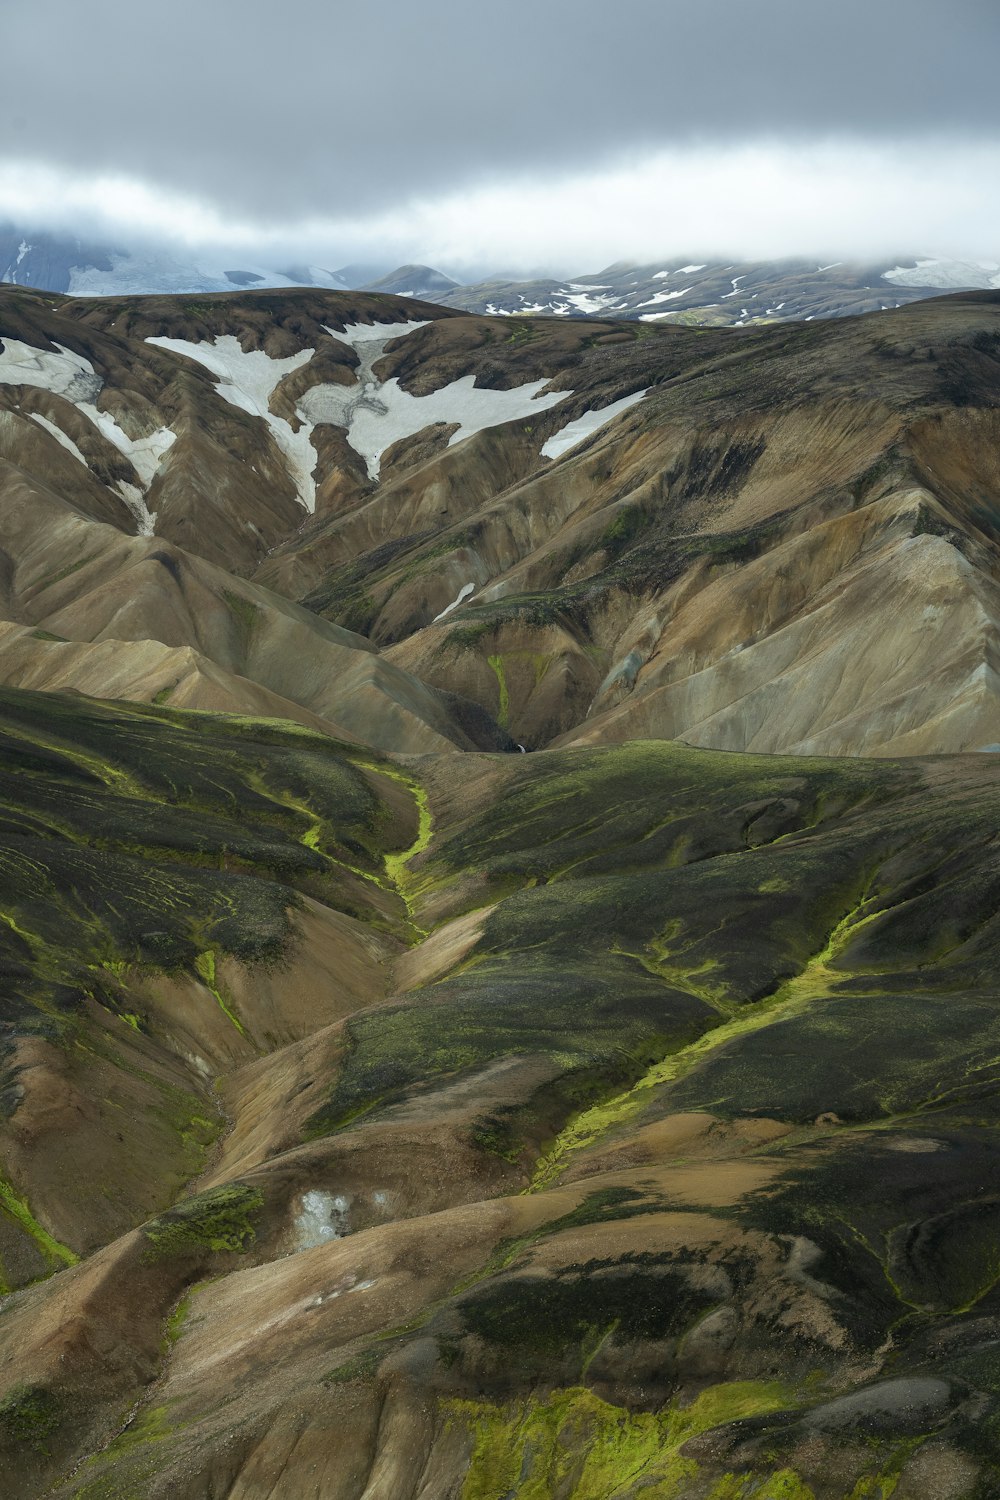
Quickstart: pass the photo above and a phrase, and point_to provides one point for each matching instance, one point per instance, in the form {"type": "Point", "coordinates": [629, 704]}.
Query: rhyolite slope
{"type": "Point", "coordinates": [775, 538]}
{"type": "Point", "coordinates": [613, 1121]}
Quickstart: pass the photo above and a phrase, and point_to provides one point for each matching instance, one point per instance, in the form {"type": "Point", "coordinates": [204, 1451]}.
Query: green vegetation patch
{"type": "Point", "coordinates": [132, 835]}
{"type": "Point", "coordinates": [569, 1441]}
{"type": "Point", "coordinates": [590, 1026]}
{"type": "Point", "coordinates": [29, 1415]}
{"type": "Point", "coordinates": [221, 1220]}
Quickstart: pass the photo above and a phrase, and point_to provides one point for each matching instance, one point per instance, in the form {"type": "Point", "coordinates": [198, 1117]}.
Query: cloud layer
{"type": "Point", "coordinates": [522, 135]}
{"type": "Point", "coordinates": [754, 201]}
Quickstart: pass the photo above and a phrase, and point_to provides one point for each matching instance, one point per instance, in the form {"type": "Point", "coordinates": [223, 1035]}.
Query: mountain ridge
{"type": "Point", "coordinates": [695, 541]}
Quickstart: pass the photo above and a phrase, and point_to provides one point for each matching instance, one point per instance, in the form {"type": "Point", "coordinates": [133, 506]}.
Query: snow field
{"type": "Point", "coordinates": [73, 377]}
{"type": "Point", "coordinates": [589, 421]}
{"type": "Point", "coordinates": [247, 380]}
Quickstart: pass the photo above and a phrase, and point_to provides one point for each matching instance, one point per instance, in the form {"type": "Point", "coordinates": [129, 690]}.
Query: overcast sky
{"type": "Point", "coordinates": [518, 135]}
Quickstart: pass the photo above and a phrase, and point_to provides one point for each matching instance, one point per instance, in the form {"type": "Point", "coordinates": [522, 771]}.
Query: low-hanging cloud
{"type": "Point", "coordinates": [350, 108]}
{"type": "Point", "coordinates": [756, 200]}
{"type": "Point", "coordinates": [563, 133]}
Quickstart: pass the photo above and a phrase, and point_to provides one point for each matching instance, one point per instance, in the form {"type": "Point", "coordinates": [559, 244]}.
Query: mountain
{"type": "Point", "coordinates": [65, 263]}
{"type": "Point", "coordinates": [414, 281]}
{"type": "Point", "coordinates": [387, 1112]}
{"type": "Point", "coordinates": [589, 531]}
{"type": "Point", "coordinates": [726, 295]}
{"type": "Point", "coordinates": [588, 1123]}
{"type": "Point", "coordinates": [702, 295]}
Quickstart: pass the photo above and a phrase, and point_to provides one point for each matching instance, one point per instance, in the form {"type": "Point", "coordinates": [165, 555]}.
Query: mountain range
{"type": "Point", "coordinates": [715, 295]}
{"type": "Point", "coordinates": [499, 893]}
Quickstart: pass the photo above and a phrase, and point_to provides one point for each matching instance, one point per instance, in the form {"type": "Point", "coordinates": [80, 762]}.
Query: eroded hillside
{"type": "Point", "coordinates": [609, 1122]}
{"type": "Point", "coordinates": [388, 1114]}
{"type": "Point", "coordinates": [778, 538]}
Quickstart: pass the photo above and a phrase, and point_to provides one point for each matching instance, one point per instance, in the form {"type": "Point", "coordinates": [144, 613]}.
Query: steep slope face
{"type": "Point", "coordinates": [785, 541]}
{"type": "Point", "coordinates": [530, 1131]}
{"type": "Point", "coordinates": [86, 605]}
{"type": "Point", "coordinates": [778, 539]}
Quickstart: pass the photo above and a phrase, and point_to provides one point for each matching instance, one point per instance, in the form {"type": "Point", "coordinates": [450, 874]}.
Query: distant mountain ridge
{"type": "Point", "coordinates": [701, 294]}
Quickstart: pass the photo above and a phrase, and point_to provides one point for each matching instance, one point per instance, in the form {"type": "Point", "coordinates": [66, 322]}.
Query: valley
{"type": "Point", "coordinates": [498, 837]}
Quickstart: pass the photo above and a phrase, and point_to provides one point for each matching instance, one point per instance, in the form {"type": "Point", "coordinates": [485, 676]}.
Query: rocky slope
{"type": "Point", "coordinates": [774, 539]}
{"type": "Point", "coordinates": [389, 1115]}
{"type": "Point", "coordinates": [371, 1130]}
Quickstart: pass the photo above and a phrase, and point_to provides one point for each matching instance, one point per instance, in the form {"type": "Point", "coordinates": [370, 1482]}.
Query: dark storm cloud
{"type": "Point", "coordinates": [275, 112]}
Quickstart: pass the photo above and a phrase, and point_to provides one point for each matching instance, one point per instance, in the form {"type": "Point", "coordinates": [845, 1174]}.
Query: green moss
{"type": "Point", "coordinates": [66, 572]}
{"type": "Point", "coordinates": [397, 863]}
{"type": "Point", "coordinates": [29, 1414]}
{"type": "Point", "coordinates": [789, 999]}
{"type": "Point", "coordinates": [205, 968]}
{"type": "Point", "coordinates": [174, 1324]}
{"type": "Point", "coordinates": [627, 524]}
{"type": "Point", "coordinates": [571, 1443]}
{"type": "Point", "coordinates": [362, 1367]}
{"type": "Point", "coordinates": [17, 1207]}
{"type": "Point", "coordinates": [503, 703]}
{"type": "Point", "coordinates": [246, 615]}
{"type": "Point", "coordinates": [220, 1220]}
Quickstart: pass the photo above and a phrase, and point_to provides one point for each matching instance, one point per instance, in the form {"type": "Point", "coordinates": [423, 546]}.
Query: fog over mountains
{"type": "Point", "coordinates": [730, 294]}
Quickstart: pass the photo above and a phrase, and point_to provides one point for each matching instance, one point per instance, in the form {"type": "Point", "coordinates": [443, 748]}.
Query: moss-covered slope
{"type": "Point", "coordinates": [598, 1123]}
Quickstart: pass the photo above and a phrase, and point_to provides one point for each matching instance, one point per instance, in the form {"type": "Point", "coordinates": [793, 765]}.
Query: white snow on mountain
{"type": "Point", "coordinates": [589, 421]}
{"type": "Point", "coordinates": [585, 302]}
{"type": "Point", "coordinates": [63, 372]}
{"type": "Point", "coordinates": [663, 297]}
{"type": "Point", "coordinates": [372, 333]}
{"type": "Point", "coordinates": [60, 436]}
{"type": "Point", "coordinates": [947, 274]}
{"type": "Point", "coordinates": [247, 380]}
{"type": "Point", "coordinates": [465, 592]}
{"type": "Point", "coordinates": [74, 377]}
{"type": "Point", "coordinates": [375, 415]}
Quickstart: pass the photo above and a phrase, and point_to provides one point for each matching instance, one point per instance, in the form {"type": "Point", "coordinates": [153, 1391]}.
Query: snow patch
{"type": "Point", "coordinates": [322, 1217]}
{"type": "Point", "coordinates": [664, 297]}
{"type": "Point", "coordinates": [73, 377]}
{"type": "Point", "coordinates": [978, 274]}
{"type": "Point", "coordinates": [464, 592]}
{"type": "Point", "coordinates": [248, 380]}
{"type": "Point", "coordinates": [581, 296]}
{"type": "Point", "coordinates": [369, 333]}
{"type": "Point", "coordinates": [574, 432]}
{"type": "Point", "coordinates": [734, 282]}
{"type": "Point", "coordinates": [60, 436]}
{"type": "Point", "coordinates": [64, 373]}
{"type": "Point", "coordinates": [377, 415]}
{"type": "Point", "coordinates": [143, 453]}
